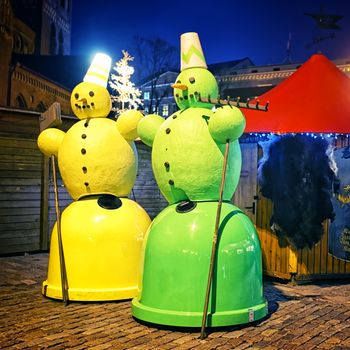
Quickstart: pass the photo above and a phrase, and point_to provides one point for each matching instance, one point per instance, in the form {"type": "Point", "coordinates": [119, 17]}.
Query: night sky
{"type": "Point", "coordinates": [228, 29]}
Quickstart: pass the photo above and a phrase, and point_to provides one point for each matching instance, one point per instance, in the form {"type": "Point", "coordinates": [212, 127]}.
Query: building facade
{"type": "Point", "coordinates": [51, 22]}
{"type": "Point", "coordinates": [32, 34]}
{"type": "Point", "coordinates": [236, 79]}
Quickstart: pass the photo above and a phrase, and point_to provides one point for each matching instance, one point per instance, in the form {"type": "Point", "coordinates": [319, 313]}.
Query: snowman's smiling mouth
{"type": "Point", "coordinates": [82, 103]}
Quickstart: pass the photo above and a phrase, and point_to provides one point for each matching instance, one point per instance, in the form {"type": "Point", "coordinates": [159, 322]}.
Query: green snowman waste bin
{"type": "Point", "coordinates": [187, 160]}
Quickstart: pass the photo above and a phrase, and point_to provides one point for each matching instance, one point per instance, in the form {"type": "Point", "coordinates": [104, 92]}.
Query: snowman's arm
{"type": "Point", "coordinates": [49, 141]}
{"type": "Point", "coordinates": [148, 127]}
{"type": "Point", "coordinates": [227, 123]}
{"type": "Point", "coordinates": [127, 124]}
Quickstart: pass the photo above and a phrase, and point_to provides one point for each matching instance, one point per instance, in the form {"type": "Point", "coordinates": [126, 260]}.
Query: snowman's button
{"type": "Point", "coordinates": [83, 151]}
{"type": "Point", "coordinates": [171, 182]}
{"type": "Point", "coordinates": [86, 184]}
{"type": "Point", "coordinates": [168, 130]}
{"type": "Point", "coordinates": [174, 116]}
{"type": "Point", "coordinates": [186, 97]}
{"type": "Point", "coordinates": [83, 136]}
{"type": "Point", "coordinates": [166, 164]}
{"type": "Point", "coordinates": [84, 168]}
{"type": "Point", "coordinates": [109, 201]}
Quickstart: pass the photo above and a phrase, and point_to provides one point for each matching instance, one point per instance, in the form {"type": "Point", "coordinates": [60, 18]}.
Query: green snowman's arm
{"type": "Point", "coordinates": [227, 123]}
{"type": "Point", "coordinates": [148, 127]}
{"type": "Point", "coordinates": [49, 141]}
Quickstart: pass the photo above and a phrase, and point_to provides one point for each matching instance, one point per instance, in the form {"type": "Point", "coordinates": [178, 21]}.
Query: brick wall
{"type": "Point", "coordinates": [36, 90]}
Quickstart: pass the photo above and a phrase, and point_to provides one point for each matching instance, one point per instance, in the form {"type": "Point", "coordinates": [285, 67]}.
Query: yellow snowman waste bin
{"type": "Point", "coordinates": [102, 230]}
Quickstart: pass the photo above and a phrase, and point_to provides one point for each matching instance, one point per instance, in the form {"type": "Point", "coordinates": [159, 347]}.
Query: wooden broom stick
{"type": "Point", "coordinates": [215, 237]}
{"type": "Point", "coordinates": [64, 282]}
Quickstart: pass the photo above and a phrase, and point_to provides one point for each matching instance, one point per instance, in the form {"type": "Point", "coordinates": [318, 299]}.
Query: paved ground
{"type": "Point", "coordinates": [300, 317]}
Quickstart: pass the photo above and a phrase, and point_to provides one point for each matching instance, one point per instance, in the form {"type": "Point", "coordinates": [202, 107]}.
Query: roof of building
{"type": "Point", "coordinates": [66, 71]}
{"type": "Point", "coordinates": [313, 99]}
{"type": "Point", "coordinates": [216, 68]}
{"type": "Point", "coordinates": [225, 67]}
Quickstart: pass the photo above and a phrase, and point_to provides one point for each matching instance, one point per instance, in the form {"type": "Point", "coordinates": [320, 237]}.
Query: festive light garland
{"type": "Point", "coordinates": [311, 134]}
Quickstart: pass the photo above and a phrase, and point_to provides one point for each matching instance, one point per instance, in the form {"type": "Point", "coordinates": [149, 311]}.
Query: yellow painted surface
{"type": "Point", "coordinates": [50, 140]}
{"type": "Point", "coordinates": [101, 249]}
{"type": "Point", "coordinates": [94, 158]}
{"type": "Point", "coordinates": [89, 100]}
{"type": "Point", "coordinates": [127, 124]}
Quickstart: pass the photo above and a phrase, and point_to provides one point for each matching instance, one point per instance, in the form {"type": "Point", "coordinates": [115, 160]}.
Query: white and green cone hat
{"type": "Point", "coordinates": [191, 52]}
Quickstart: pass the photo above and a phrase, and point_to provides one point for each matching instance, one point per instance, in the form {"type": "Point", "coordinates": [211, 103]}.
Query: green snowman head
{"type": "Point", "coordinates": [195, 80]}
{"type": "Point", "coordinates": [193, 83]}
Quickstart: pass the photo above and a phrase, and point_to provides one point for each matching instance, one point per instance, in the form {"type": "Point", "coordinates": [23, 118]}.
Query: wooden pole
{"type": "Point", "coordinates": [64, 282]}
{"type": "Point", "coordinates": [215, 237]}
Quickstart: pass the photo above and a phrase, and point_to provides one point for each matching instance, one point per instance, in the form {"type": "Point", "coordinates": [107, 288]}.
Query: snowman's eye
{"type": "Point", "coordinates": [91, 93]}
{"type": "Point", "coordinates": [192, 80]}
{"type": "Point", "coordinates": [178, 82]}
{"type": "Point", "coordinates": [76, 96]}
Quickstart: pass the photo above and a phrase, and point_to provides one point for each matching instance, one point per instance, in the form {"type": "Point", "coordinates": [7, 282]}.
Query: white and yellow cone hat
{"type": "Point", "coordinates": [98, 71]}
{"type": "Point", "coordinates": [191, 51]}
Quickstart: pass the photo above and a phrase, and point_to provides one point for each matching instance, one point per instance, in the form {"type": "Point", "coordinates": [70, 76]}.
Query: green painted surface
{"type": "Point", "coordinates": [187, 162]}
{"type": "Point", "coordinates": [176, 264]}
{"type": "Point", "coordinates": [200, 83]}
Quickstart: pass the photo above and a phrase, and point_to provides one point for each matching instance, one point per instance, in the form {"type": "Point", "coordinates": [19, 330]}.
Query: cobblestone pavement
{"type": "Point", "coordinates": [313, 316]}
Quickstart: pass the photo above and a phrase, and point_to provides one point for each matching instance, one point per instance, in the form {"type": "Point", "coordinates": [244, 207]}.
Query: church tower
{"type": "Point", "coordinates": [51, 20]}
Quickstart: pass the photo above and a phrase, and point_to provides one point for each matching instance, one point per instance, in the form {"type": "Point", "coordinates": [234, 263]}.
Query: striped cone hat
{"type": "Point", "coordinates": [98, 71]}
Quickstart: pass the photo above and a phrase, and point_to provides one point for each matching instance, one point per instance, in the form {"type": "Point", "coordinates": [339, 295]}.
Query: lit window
{"type": "Point", "coordinates": [146, 95]}
{"type": "Point", "coordinates": [165, 110]}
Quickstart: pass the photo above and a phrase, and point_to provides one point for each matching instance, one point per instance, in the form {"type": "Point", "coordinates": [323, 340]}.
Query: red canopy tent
{"type": "Point", "coordinates": [315, 99]}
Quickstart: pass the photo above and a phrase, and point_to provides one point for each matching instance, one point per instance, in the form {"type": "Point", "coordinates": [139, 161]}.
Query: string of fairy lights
{"type": "Point", "coordinates": [310, 134]}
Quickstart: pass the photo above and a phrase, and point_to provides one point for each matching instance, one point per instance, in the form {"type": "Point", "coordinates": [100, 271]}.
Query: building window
{"type": "Point", "coordinates": [146, 110]}
{"type": "Point", "coordinates": [41, 107]}
{"type": "Point", "coordinates": [60, 43]}
{"type": "Point", "coordinates": [165, 110]}
{"type": "Point", "coordinates": [53, 40]}
{"type": "Point", "coordinates": [18, 44]}
{"type": "Point", "coordinates": [146, 95]}
{"type": "Point", "coordinates": [20, 101]}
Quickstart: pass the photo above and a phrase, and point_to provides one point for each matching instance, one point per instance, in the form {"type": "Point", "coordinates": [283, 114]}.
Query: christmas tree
{"type": "Point", "coordinates": [127, 95]}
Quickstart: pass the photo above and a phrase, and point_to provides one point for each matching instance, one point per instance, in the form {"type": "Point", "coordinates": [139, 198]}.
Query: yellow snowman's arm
{"type": "Point", "coordinates": [127, 124]}
{"type": "Point", "coordinates": [49, 141]}
{"type": "Point", "coordinates": [226, 124]}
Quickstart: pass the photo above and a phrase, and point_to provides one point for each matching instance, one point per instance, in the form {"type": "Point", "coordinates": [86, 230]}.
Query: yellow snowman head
{"type": "Point", "coordinates": [91, 99]}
